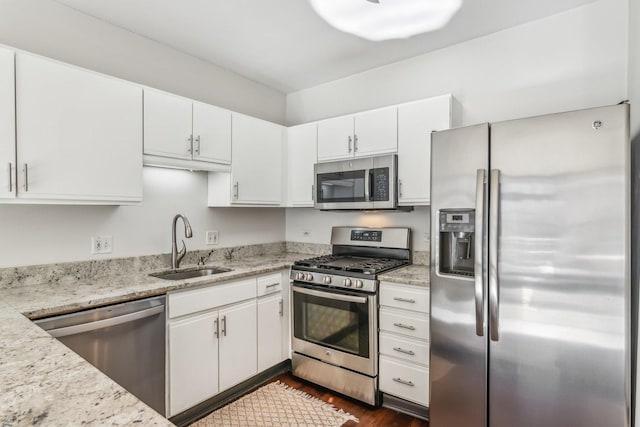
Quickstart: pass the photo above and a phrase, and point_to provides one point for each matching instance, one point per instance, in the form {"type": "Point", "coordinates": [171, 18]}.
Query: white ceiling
{"type": "Point", "coordinates": [285, 45]}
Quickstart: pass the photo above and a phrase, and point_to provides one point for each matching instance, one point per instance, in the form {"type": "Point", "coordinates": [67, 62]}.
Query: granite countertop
{"type": "Point", "coordinates": [43, 382]}
{"type": "Point", "coordinates": [415, 274]}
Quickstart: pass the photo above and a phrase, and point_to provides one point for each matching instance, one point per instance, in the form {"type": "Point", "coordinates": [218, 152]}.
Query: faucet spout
{"type": "Point", "coordinates": [177, 255]}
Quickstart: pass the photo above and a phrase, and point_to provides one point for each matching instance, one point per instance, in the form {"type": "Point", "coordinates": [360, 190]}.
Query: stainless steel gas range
{"type": "Point", "coordinates": [335, 309]}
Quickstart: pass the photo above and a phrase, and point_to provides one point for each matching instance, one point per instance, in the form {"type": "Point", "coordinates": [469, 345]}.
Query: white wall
{"type": "Point", "coordinates": [57, 31]}
{"type": "Point", "coordinates": [572, 60]}
{"type": "Point", "coordinates": [37, 234]}
{"type": "Point", "coordinates": [314, 226]}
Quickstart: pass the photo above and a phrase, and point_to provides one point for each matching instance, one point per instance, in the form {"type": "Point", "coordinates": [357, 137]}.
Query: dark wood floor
{"type": "Point", "coordinates": [367, 415]}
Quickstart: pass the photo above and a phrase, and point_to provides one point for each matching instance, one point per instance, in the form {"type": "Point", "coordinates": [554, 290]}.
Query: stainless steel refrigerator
{"type": "Point", "coordinates": [530, 272]}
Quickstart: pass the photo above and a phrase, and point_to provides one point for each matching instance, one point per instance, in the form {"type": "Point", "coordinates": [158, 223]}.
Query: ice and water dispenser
{"type": "Point", "coordinates": [457, 234]}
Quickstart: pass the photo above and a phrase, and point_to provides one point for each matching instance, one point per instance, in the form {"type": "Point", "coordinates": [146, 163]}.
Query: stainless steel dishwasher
{"type": "Point", "coordinates": [125, 341]}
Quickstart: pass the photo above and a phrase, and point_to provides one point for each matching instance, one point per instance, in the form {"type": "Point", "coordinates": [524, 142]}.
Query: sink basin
{"type": "Point", "coordinates": [189, 273]}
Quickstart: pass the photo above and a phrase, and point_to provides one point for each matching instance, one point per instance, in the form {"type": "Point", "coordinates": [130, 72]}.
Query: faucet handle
{"type": "Point", "coordinates": [201, 260]}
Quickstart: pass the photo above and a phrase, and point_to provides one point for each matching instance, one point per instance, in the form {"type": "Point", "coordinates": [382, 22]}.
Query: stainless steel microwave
{"type": "Point", "coordinates": [360, 183]}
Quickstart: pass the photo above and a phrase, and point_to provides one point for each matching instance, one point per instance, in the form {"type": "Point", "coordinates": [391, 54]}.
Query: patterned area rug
{"type": "Point", "coordinates": [277, 404]}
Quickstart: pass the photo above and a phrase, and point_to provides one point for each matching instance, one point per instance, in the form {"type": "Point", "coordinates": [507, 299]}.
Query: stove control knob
{"type": "Point", "coordinates": [299, 276]}
{"type": "Point", "coordinates": [359, 283]}
{"type": "Point", "coordinates": [308, 277]}
{"type": "Point", "coordinates": [347, 283]}
{"type": "Point", "coordinates": [327, 280]}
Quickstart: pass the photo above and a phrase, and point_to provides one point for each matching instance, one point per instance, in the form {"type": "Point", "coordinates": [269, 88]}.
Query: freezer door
{"type": "Point", "coordinates": [458, 308]}
{"type": "Point", "coordinates": [559, 334]}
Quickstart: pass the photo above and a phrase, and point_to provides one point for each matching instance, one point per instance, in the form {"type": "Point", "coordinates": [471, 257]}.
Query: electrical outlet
{"type": "Point", "coordinates": [211, 238]}
{"type": "Point", "coordinates": [101, 244]}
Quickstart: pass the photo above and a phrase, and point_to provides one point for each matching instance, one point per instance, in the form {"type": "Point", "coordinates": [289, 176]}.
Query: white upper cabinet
{"type": "Point", "coordinates": [179, 132]}
{"type": "Point", "coordinates": [301, 156]}
{"type": "Point", "coordinates": [359, 135]}
{"type": "Point", "coordinates": [335, 138]}
{"type": "Point", "coordinates": [211, 133]}
{"type": "Point", "coordinates": [376, 132]}
{"type": "Point", "coordinates": [79, 135]}
{"type": "Point", "coordinates": [256, 171]}
{"type": "Point", "coordinates": [167, 125]}
{"type": "Point", "coordinates": [416, 121]}
{"type": "Point", "coordinates": [7, 125]}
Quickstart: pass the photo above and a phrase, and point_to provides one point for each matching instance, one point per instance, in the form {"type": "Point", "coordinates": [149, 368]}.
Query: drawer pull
{"type": "Point", "coordinates": [403, 326]}
{"type": "Point", "coordinates": [412, 301]}
{"type": "Point", "coordinates": [401, 381]}
{"type": "Point", "coordinates": [272, 285]}
{"type": "Point", "coordinates": [402, 350]}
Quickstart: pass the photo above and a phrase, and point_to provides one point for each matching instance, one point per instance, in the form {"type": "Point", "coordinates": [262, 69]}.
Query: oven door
{"type": "Point", "coordinates": [336, 327]}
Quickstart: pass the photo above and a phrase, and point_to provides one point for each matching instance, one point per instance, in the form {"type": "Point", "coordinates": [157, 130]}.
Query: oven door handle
{"type": "Point", "coordinates": [330, 295]}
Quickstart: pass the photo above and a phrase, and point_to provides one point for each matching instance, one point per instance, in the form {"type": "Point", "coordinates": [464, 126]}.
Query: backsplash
{"type": "Point", "coordinates": [74, 272]}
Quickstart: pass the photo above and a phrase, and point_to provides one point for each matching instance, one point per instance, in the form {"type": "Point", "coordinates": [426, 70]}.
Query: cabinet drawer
{"type": "Point", "coordinates": [269, 284]}
{"type": "Point", "coordinates": [404, 322]}
{"type": "Point", "coordinates": [404, 348]}
{"type": "Point", "coordinates": [404, 296]}
{"type": "Point", "coordinates": [405, 380]}
{"type": "Point", "coordinates": [193, 301]}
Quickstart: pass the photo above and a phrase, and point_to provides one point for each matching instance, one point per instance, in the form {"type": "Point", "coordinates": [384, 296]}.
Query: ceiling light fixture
{"type": "Point", "coordinates": [378, 20]}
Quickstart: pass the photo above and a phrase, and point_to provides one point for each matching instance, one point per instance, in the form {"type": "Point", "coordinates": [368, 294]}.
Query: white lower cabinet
{"type": "Point", "coordinates": [221, 335]}
{"type": "Point", "coordinates": [238, 344]}
{"type": "Point", "coordinates": [404, 341]}
{"type": "Point", "coordinates": [270, 320]}
{"type": "Point", "coordinates": [193, 352]}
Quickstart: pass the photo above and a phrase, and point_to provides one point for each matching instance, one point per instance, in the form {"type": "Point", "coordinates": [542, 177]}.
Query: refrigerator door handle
{"type": "Point", "coordinates": [478, 251]}
{"type": "Point", "coordinates": [494, 221]}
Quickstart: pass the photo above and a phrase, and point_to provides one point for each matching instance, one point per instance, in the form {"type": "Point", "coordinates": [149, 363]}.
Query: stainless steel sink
{"type": "Point", "coordinates": [189, 273]}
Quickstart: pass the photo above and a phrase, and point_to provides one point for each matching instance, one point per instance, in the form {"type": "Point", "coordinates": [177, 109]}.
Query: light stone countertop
{"type": "Point", "coordinates": [42, 382]}
{"type": "Point", "coordinates": [414, 274]}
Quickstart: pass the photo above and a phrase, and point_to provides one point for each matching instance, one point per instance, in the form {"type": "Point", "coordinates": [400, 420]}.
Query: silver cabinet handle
{"type": "Point", "coordinates": [494, 213]}
{"type": "Point", "coordinates": [105, 323]}
{"type": "Point", "coordinates": [405, 382]}
{"type": "Point", "coordinates": [403, 326]}
{"type": "Point", "coordinates": [281, 304]}
{"type": "Point", "coordinates": [313, 196]}
{"type": "Point", "coordinates": [190, 141]}
{"type": "Point", "coordinates": [349, 139]}
{"type": "Point", "coordinates": [355, 143]}
{"type": "Point", "coordinates": [236, 190]}
{"type": "Point", "coordinates": [224, 326]}
{"type": "Point", "coordinates": [400, 187]}
{"type": "Point", "coordinates": [10, 177]}
{"type": "Point", "coordinates": [197, 143]}
{"type": "Point", "coordinates": [272, 285]}
{"type": "Point", "coordinates": [402, 350]}
{"type": "Point", "coordinates": [412, 301]}
{"type": "Point", "coordinates": [479, 251]}
{"type": "Point", "coordinates": [216, 328]}
{"type": "Point", "coordinates": [26, 177]}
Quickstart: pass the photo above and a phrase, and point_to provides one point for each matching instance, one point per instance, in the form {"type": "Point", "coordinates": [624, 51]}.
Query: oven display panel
{"type": "Point", "coordinates": [366, 235]}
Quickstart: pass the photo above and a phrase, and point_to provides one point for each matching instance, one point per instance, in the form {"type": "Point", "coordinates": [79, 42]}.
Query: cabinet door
{"type": "Point", "coordinates": [79, 133]}
{"type": "Point", "coordinates": [193, 361]}
{"type": "Point", "coordinates": [211, 133]}
{"type": "Point", "coordinates": [257, 161]}
{"type": "Point", "coordinates": [7, 126]}
{"type": "Point", "coordinates": [167, 125]}
{"type": "Point", "coordinates": [238, 344]}
{"type": "Point", "coordinates": [335, 138]}
{"type": "Point", "coordinates": [301, 156]}
{"type": "Point", "coordinates": [416, 121]}
{"type": "Point", "coordinates": [270, 318]}
{"type": "Point", "coordinates": [376, 132]}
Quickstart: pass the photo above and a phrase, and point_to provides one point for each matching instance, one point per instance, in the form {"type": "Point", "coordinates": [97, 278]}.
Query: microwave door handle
{"type": "Point", "coordinates": [368, 180]}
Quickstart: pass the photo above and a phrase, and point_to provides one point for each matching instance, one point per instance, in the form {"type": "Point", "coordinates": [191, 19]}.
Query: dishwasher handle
{"type": "Point", "coordinates": [105, 323]}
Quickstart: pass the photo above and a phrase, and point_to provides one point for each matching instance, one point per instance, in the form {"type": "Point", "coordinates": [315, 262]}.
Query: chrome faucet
{"type": "Point", "coordinates": [176, 256]}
